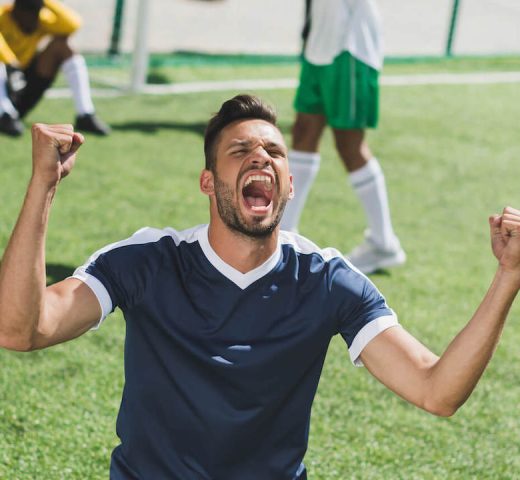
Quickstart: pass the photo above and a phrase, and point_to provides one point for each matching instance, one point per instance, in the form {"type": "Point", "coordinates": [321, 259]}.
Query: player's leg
{"type": "Point", "coordinates": [10, 123]}
{"type": "Point", "coordinates": [381, 248]}
{"type": "Point", "coordinates": [351, 107]}
{"type": "Point", "coordinates": [304, 164]}
{"type": "Point", "coordinates": [304, 159]}
{"type": "Point", "coordinates": [41, 74]}
{"type": "Point", "coordinates": [75, 70]}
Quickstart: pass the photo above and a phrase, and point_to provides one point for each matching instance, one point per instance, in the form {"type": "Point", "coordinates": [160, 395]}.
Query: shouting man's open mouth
{"type": "Point", "coordinates": [257, 192]}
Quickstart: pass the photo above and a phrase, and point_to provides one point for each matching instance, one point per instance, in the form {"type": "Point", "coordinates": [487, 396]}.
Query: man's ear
{"type": "Point", "coordinates": [291, 190]}
{"type": "Point", "coordinates": [206, 182]}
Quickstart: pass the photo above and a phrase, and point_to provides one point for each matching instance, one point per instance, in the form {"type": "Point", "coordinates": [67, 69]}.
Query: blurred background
{"type": "Point", "coordinates": [273, 26]}
{"type": "Point", "coordinates": [135, 35]}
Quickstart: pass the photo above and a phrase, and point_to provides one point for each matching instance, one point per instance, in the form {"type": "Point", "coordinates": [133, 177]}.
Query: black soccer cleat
{"type": "Point", "coordinates": [90, 123]}
{"type": "Point", "coordinates": [11, 126]}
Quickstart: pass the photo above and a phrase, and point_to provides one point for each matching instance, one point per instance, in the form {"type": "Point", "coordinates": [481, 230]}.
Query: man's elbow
{"type": "Point", "coordinates": [73, 25]}
{"type": "Point", "coordinates": [441, 409]}
{"type": "Point", "coordinates": [17, 339]}
{"type": "Point", "coordinates": [18, 343]}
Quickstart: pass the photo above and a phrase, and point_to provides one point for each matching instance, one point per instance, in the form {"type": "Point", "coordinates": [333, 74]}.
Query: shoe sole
{"type": "Point", "coordinates": [389, 262]}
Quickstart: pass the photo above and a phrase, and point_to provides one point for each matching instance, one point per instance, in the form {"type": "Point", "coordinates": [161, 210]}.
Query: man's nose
{"type": "Point", "coordinates": [260, 157]}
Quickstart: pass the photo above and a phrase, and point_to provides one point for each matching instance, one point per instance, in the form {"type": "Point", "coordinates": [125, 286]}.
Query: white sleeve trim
{"type": "Point", "coordinates": [367, 333]}
{"type": "Point", "coordinates": [101, 293]}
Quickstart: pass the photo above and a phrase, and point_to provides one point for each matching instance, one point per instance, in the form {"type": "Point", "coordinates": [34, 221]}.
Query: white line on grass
{"type": "Point", "coordinates": [289, 83]}
{"type": "Point", "coordinates": [450, 78]}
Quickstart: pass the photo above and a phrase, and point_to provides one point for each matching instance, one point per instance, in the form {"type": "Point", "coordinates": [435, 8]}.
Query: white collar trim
{"type": "Point", "coordinates": [242, 280]}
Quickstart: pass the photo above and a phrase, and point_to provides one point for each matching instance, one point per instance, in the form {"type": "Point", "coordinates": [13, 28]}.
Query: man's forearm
{"type": "Point", "coordinates": [458, 370]}
{"type": "Point", "coordinates": [67, 20]}
{"type": "Point", "coordinates": [22, 272]}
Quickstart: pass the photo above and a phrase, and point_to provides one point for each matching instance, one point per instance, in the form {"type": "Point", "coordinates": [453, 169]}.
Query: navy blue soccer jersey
{"type": "Point", "coordinates": [221, 367]}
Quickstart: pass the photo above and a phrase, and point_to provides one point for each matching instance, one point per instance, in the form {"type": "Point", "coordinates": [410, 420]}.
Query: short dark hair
{"type": "Point", "coordinates": [240, 107]}
{"type": "Point", "coordinates": [31, 5]}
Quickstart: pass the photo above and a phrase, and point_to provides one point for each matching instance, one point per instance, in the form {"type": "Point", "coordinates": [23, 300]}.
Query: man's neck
{"type": "Point", "coordinates": [240, 251]}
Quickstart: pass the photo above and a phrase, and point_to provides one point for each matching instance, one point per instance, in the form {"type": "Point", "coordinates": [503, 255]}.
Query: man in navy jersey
{"type": "Point", "coordinates": [227, 324]}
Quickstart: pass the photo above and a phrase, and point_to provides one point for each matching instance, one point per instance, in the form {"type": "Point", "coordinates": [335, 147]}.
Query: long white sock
{"type": "Point", "coordinates": [369, 184]}
{"type": "Point", "coordinates": [6, 106]}
{"type": "Point", "coordinates": [76, 74]}
{"type": "Point", "coordinates": [304, 167]}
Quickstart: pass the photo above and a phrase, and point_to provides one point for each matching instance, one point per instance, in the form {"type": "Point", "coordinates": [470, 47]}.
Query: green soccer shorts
{"type": "Point", "coordinates": [346, 92]}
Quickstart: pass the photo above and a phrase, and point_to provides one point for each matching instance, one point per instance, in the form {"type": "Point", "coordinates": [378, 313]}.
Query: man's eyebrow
{"type": "Point", "coordinates": [238, 142]}
{"type": "Point", "coordinates": [247, 143]}
{"type": "Point", "coordinates": [276, 144]}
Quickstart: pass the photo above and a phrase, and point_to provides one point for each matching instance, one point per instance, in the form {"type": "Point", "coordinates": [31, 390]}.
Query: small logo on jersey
{"type": "Point", "coordinates": [270, 291]}
{"type": "Point", "coordinates": [235, 348]}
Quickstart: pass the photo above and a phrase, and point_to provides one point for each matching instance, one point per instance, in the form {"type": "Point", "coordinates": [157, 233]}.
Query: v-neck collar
{"type": "Point", "coordinates": [242, 280]}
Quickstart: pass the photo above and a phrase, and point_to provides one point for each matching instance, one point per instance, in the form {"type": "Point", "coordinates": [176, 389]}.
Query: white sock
{"type": "Point", "coordinates": [304, 167]}
{"type": "Point", "coordinates": [6, 106]}
{"type": "Point", "coordinates": [76, 74]}
{"type": "Point", "coordinates": [369, 184]}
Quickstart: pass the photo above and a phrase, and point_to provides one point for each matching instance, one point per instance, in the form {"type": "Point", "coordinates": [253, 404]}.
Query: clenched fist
{"type": "Point", "coordinates": [54, 149]}
{"type": "Point", "coordinates": [505, 238]}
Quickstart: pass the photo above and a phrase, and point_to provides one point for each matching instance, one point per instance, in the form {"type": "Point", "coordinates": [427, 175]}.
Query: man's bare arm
{"type": "Point", "coordinates": [32, 316]}
{"type": "Point", "coordinates": [441, 385]}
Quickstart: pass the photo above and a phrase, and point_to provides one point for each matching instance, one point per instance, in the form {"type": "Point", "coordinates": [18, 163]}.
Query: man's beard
{"type": "Point", "coordinates": [230, 214]}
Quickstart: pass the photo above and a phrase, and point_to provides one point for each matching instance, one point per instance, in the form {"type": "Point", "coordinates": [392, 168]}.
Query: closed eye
{"type": "Point", "coordinates": [276, 153]}
{"type": "Point", "coordinates": [239, 152]}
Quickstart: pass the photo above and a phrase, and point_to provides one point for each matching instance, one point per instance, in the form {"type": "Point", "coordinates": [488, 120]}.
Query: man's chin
{"type": "Point", "coordinates": [261, 225]}
{"type": "Point", "coordinates": [256, 227]}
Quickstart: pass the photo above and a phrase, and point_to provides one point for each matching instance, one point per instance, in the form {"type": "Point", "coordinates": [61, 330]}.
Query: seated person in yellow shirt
{"type": "Point", "coordinates": [24, 26]}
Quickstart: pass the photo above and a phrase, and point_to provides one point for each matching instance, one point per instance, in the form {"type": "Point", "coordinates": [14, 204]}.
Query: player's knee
{"type": "Point", "coordinates": [60, 49]}
{"type": "Point", "coordinates": [351, 144]}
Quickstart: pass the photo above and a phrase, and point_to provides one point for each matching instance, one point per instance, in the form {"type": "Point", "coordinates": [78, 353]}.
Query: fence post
{"type": "Point", "coordinates": [116, 28]}
{"type": "Point", "coordinates": [453, 26]}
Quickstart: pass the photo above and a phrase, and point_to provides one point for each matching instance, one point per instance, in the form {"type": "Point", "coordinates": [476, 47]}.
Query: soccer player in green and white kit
{"type": "Point", "coordinates": [339, 87]}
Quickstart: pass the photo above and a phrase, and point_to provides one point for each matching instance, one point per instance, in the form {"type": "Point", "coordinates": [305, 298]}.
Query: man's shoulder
{"type": "Point", "coordinates": [302, 245]}
{"type": "Point", "coordinates": [151, 235]}
{"type": "Point", "coordinates": [147, 238]}
{"type": "Point", "coordinates": [330, 256]}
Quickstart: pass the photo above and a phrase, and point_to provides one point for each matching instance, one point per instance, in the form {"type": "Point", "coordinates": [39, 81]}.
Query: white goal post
{"type": "Point", "coordinates": [141, 53]}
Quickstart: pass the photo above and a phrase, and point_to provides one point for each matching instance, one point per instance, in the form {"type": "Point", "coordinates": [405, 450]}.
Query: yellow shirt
{"type": "Point", "coordinates": [18, 46]}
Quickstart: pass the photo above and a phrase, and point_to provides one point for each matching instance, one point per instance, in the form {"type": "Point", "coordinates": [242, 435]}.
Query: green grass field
{"type": "Point", "coordinates": [450, 155]}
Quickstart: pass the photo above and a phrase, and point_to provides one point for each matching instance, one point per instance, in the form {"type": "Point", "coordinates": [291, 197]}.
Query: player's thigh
{"type": "Point", "coordinates": [49, 60]}
{"type": "Point", "coordinates": [350, 91]}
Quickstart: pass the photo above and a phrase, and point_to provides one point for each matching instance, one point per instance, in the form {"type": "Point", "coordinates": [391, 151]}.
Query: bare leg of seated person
{"type": "Point", "coordinates": [41, 73]}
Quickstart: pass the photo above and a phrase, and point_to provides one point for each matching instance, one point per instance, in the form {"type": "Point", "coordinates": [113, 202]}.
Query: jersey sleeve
{"type": "Point", "coordinates": [118, 273]}
{"type": "Point", "coordinates": [363, 311]}
{"type": "Point", "coordinates": [96, 274]}
{"type": "Point", "coordinates": [7, 56]}
{"type": "Point", "coordinates": [57, 19]}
